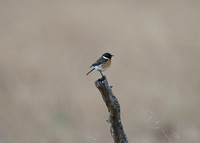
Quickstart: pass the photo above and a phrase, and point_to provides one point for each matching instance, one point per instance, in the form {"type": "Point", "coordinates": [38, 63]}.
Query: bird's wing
{"type": "Point", "coordinates": [100, 61]}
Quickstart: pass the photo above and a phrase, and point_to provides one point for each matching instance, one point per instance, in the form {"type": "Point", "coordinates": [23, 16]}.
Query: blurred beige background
{"type": "Point", "coordinates": [47, 46]}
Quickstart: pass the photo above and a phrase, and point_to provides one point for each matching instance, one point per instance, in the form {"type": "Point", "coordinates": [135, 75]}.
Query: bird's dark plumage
{"type": "Point", "coordinates": [102, 63]}
{"type": "Point", "coordinates": [99, 62]}
{"type": "Point", "coordinates": [102, 60]}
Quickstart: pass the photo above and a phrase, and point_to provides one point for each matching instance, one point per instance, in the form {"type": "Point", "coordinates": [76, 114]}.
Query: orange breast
{"type": "Point", "coordinates": [106, 65]}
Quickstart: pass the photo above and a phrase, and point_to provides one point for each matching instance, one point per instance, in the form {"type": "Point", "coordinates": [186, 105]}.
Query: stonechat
{"type": "Point", "coordinates": [102, 63]}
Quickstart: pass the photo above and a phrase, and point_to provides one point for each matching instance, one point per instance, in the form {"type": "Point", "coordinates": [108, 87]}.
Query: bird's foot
{"type": "Point", "coordinates": [102, 78]}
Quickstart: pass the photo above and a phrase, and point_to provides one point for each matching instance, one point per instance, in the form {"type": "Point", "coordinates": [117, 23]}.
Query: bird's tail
{"type": "Point", "coordinates": [90, 71]}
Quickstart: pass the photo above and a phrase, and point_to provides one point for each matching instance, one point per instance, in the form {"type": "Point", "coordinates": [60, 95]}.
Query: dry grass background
{"type": "Point", "coordinates": [46, 48]}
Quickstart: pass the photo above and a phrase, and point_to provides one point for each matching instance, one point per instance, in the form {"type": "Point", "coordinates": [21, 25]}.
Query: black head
{"type": "Point", "coordinates": [108, 55]}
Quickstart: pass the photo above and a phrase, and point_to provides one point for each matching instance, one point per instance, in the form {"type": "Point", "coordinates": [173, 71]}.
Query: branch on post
{"type": "Point", "coordinates": [113, 106]}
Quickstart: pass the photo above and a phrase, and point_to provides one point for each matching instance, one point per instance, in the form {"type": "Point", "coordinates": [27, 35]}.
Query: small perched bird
{"type": "Point", "coordinates": [102, 63]}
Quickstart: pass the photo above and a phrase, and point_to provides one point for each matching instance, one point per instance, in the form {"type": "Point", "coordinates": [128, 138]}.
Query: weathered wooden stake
{"type": "Point", "coordinates": [113, 106]}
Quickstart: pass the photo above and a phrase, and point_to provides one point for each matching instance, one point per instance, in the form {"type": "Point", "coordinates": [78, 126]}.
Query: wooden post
{"type": "Point", "coordinates": [113, 106]}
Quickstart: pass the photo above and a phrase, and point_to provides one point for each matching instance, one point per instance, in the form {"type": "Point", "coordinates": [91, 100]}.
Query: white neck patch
{"type": "Point", "coordinates": [105, 57]}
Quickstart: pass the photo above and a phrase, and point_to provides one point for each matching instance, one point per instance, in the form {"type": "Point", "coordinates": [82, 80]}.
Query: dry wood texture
{"type": "Point", "coordinates": [113, 106]}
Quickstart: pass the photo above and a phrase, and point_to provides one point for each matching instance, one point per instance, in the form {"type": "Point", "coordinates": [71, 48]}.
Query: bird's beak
{"type": "Point", "coordinates": [113, 55]}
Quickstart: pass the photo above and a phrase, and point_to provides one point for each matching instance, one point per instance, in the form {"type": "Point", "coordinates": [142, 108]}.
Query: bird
{"type": "Point", "coordinates": [101, 64]}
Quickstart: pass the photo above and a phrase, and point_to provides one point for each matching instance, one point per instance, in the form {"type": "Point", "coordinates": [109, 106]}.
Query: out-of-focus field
{"type": "Point", "coordinates": [46, 48]}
